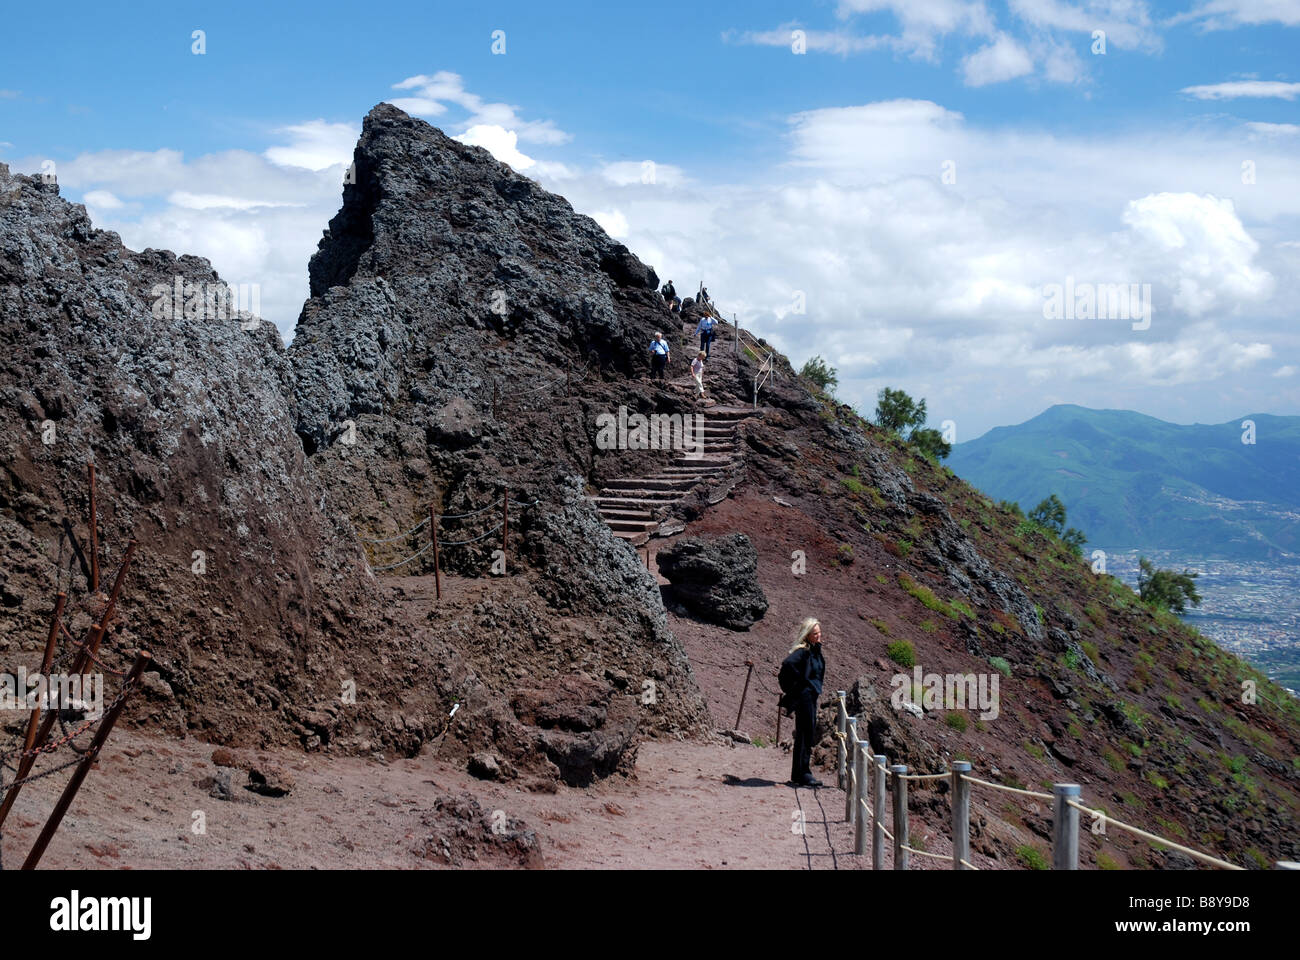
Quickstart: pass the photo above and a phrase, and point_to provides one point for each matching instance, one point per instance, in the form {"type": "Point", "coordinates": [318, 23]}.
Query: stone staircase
{"type": "Point", "coordinates": [634, 507]}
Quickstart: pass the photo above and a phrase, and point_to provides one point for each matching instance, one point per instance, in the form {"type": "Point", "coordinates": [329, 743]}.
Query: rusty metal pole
{"type": "Point", "coordinates": [29, 742]}
{"type": "Point", "coordinates": [79, 666]}
{"type": "Point", "coordinates": [97, 635]}
{"type": "Point", "coordinates": [437, 574]}
{"type": "Point", "coordinates": [87, 761]}
{"type": "Point", "coordinates": [94, 535]}
{"type": "Point", "coordinates": [744, 693]}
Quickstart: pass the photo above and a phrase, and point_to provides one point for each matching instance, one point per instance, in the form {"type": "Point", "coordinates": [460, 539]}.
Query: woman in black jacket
{"type": "Point", "coordinates": [807, 651]}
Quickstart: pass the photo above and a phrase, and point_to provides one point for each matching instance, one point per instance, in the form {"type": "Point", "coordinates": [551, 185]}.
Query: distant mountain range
{"type": "Point", "coordinates": [1132, 481]}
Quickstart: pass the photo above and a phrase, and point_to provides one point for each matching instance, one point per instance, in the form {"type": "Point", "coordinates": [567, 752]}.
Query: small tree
{"type": "Point", "coordinates": [931, 442]}
{"type": "Point", "coordinates": [896, 411]}
{"type": "Point", "coordinates": [1050, 513]}
{"type": "Point", "coordinates": [818, 371]}
{"type": "Point", "coordinates": [1167, 589]}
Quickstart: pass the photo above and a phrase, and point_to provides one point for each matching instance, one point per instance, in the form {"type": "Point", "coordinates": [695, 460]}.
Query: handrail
{"type": "Point", "coordinates": [854, 760]}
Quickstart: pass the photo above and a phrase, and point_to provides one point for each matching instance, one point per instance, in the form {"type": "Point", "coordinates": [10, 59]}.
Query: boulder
{"type": "Point", "coordinates": [717, 580]}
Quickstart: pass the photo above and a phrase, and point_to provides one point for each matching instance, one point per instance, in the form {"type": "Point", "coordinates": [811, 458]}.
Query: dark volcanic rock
{"type": "Point", "coordinates": [716, 579]}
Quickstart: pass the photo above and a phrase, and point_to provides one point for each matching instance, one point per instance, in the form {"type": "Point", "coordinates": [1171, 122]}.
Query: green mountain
{"type": "Point", "coordinates": [1132, 481]}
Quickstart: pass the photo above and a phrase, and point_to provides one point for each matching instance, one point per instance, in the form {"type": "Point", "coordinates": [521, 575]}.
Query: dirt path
{"type": "Point", "coordinates": [691, 805]}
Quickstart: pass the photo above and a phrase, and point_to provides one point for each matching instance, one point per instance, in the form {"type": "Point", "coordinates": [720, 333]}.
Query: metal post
{"type": "Point", "coordinates": [878, 813]}
{"type": "Point", "coordinates": [743, 693]}
{"type": "Point", "coordinates": [505, 521]}
{"type": "Point", "coordinates": [97, 634]}
{"type": "Point", "coordinates": [94, 535]}
{"type": "Point", "coordinates": [1065, 827]}
{"type": "Point", "coordinates": [29, 742]}
{"type": "Point", "coordinates": [437, 573]}
{"type": "Point", "coordinates": [87, 761]}
{"type": "Point", "coordinates": [850, 791]}
{"type": "Point", "coordinates": [859, 814]}
{"type": "Point", "coordinates": [843, 728]}
{"type": "Point", "coordinates": [960, 814]}
{"type": "Point", "coordinates": [901, 856]}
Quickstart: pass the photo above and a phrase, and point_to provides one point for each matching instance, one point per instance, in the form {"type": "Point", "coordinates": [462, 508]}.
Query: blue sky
{"type": "Point", "coordinates": [779, 177]}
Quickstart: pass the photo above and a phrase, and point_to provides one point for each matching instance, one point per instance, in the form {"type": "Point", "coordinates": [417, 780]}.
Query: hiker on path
{"type": "Point", "coordinates": [706, 331]}
{"type": "Point", "coordinates": [697, 371]}
{"type": "Point", "coordinates": [660, 353]}
{"type": "Point", "coordinates": [810, 666]}
{"type": "Point", "coordinates": [669, 292]}
{"type": "Point", "coordinates": [704, 295]}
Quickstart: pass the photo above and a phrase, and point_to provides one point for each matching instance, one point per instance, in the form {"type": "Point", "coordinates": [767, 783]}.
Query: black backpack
{"type": "Point", "coordinates": [791, 677]}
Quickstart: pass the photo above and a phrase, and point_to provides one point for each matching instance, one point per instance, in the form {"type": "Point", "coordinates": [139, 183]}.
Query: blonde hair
{"type": "Point", "coordinates": [702, 355]}
{"type": "Point", "coordinates": [801, 635]}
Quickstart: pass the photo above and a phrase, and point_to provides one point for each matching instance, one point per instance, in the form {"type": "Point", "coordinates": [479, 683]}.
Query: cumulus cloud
{"type": "Point", "coordinates": [1001, 60]}
{"type": "Point", "coordinates": [316, 145]}
{"type": "Point", "coordinates": [498, 141]}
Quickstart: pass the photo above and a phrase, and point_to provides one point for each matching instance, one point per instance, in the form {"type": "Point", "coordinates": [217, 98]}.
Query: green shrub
{"type": "Point", "coordinates": [928, 626]}
{"type": "Point", "coordinates": [845, 554]}
{"type": "Point", "coordinates": [1105, 862]}
{"type": "Point", "coordinates": [901, 652]}
{"type": "Point", "coordinates": [1000, 664]}
{"type": "Point", "coordinates": [904, 547]}
{"type": "Point", "coordinates": [852, 485]}
{"type": "Point", "coordinates": [957, 721]}
{"type": "Point", "coordinates": [1031, 857]}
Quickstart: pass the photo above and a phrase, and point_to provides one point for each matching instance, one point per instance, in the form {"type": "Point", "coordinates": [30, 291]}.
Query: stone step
{"type": "Point", "coordinates": [623, 513]}
{"type": "Point", "coordinates": [634, 537]}
{"type": "Point", "coordinates": [641, 493]}
{"type": "Point", "coordinates": [648, 483]}
{"type": "Point", "coordinates": [618, 503]}
{"type": "Point", "coordinates": [632, 525]}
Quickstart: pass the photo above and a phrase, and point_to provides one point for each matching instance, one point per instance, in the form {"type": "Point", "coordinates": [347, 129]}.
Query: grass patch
{"type": "Point", "coordinates": [852, 485]}
{"type": "Point", "coordinates": [1115, 761]}
{"type": "Point", "coordinates": [1034, 750]}
{"type": "Point", "coordinates": [1031, 857]}
{"type": "Point", "coordinates": [957, 721]}
{"type": "Point", "coordinates": [1105, 862]}
{"type": "Point", "coordinates": [928, 626]}
{"type": "Point", "coordinates": [901, 652]}
{"type": "Point", "coordinates": [1000, 665]}
{"type": "Point", "coordinates": [881, 626]}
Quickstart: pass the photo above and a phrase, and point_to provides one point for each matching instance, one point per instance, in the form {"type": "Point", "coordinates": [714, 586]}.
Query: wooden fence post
{"type": "Point", "coordinates": [1065, 827]}
{"type": "Point", "coordinates": [901, 856]}
{"type": "Point", "coordinates": [850, 791]}
{"type": "Point", "coordinates": [437, 573]}
{"type": "Point", "coordinates": [87, 761]}
{"type": "Point", "coordinates": [841, 721]}
{"type": "Point", "coordinates": [860, 815]}
{"type": "Point", "coordinates": [878, 812]}
{"type": "Point", "coordinates": [94, 535]}
{"type": "Point", "coordinates": [960, 814]}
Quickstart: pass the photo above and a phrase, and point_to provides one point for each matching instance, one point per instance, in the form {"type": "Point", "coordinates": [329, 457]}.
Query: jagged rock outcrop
{"type": "Point", "coordinates": [717, 580]}
{"type": "Point", "coordinates": [241, 586]}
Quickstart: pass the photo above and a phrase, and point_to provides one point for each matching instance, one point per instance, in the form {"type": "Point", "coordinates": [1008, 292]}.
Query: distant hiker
{"type": "Point", "coordinates": [706, 332]}
{"type": "Point", "coordinates": [670, 294]}
{"type": "Point", "coordinates": [801, 685]}
{"type": "Point", "coordinates": [675, 306]}
{"type": "Point", "coordinates": [659, 356]}
{"type": "Point", "coordinates": [704, 296]}
{"type": "Point", "coordinates": [697, 371]}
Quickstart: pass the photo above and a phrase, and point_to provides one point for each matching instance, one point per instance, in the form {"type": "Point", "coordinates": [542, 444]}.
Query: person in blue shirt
{"type": "Point", "coordinates": [660, 353]}
{"type": "Point", "coordinates": [706, 332]}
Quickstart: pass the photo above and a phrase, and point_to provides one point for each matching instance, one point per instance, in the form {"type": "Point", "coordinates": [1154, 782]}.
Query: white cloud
{"type": "Point", "coordinates": [612, 222]}
{"type": "Point", "coordinates": [1227, 14]}
{"type": "Point", "coordinates": [1127, 24]}
{"type": "Point", "coordinates": [501, 143]}
{"type": "Point", "coordinates": [648, 172]}
{"type": "Point", "coordinates": [1001, 60]}
{"type": "Point", "coordinates": [435, 92]}
{"type": "Point", "coordinates": [821, 41]}
{"type": "Point", "coordinates": [924, 24]}
{"type": "Point", "coordinates": [1244, 88]}
{"type": "Point", "coordinates": [1273, 129]}
{"type": "Point", "coordinates": [1287, 371]}
{"type": "Point", "coordinates": [102, 200]}
{"type": "Point", "coordinates": [316, 145]}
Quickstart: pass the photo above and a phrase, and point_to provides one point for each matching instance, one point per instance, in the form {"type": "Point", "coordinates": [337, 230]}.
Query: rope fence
{"type": "Point", "coordinates": [855, 760]}
{"type": "Point", "coordinates": [434, 521]}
